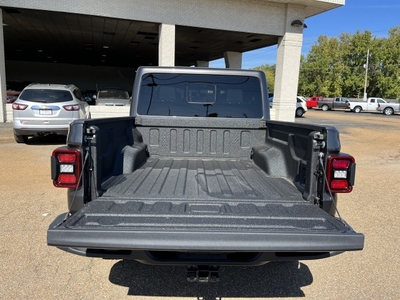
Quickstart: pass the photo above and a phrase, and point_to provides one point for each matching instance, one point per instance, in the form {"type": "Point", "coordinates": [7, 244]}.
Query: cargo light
{"type": "Point", "coordinates": [66, 167]}
{"type": "Point", "coordinates": [340, 173]}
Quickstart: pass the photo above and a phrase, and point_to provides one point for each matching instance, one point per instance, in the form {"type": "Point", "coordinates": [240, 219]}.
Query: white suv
{"type": "Point", "coordinates": [47, 109]}
{"type": "Point", "coordinates": [301, 106]}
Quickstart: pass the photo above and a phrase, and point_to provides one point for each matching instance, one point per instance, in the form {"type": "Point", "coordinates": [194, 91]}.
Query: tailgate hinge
{"type": "Point", "coordinates": [319, 140]}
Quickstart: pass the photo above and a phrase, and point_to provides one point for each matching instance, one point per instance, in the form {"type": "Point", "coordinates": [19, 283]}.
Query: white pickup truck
{"type": "Point", "coordinates": [370, 105]}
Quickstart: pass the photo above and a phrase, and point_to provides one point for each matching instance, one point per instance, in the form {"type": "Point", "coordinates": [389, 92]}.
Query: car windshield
{"type": "Point", "coordinates": [113, 94]}
{"type": "Point", "coordinates": [45, 95]}
{"type": "Point", "coordinates": [194, 95]}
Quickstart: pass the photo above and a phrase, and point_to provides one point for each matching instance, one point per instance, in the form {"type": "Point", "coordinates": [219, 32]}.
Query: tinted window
{"type": "Point", "coordinates": [46, 95]}
{"type": "Point", "coordinates": [196, 95]}
{"type": "Point", "coordinates": [114, 94]}
{"type": "Point", "coordinates": [78, 94]}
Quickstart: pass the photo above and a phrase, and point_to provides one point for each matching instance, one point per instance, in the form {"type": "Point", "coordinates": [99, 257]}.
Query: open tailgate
{"type": "Point", "coordinates": [203, 226]}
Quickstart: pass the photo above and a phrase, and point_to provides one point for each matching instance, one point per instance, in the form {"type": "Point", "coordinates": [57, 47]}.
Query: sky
{"type": "Point", "coordinates": [377, 16]}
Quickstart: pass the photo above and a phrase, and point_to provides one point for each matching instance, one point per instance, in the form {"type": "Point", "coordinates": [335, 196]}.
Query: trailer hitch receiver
{"type": "Point", "coordinates": [203, 274]}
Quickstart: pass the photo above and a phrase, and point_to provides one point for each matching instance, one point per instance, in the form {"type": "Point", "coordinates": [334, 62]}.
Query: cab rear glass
{"type": "Point", "coordinates": [195, 95]}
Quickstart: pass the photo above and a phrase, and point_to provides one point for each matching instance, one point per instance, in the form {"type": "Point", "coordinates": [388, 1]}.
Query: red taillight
{"type": "Point", "coordinates": [339, 184]}
{"type": "Point", "coordinates": [340, 164]}
{"type": "Point", "coordinates": [72, 107]}
{"type": "Point", "coordinates": [17, 106]}
{"type": "Point", "coordinates": [66, 157]}
{"type": "Point", "coordinates": [67, 178]}
{"type": "Point", "coordinates": [66, 168]}
{"type": "Point", "coordinates": [340, 173]}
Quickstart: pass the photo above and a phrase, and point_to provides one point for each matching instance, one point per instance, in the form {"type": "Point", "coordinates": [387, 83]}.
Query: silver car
{"type": "Point", "coordinates": [47, 109]}
{"type": "Point", "coordinates": [113, 97]}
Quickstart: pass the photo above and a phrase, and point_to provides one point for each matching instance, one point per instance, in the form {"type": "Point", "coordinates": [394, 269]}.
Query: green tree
{"type": "Point", "coordinates": [320, 70]}
{"type": "Point", "coordinates": [269, 71]}
{"type": "Point", "coordinates": [388, 77]}
{"type": "Point", "coordinates": [336, 66]}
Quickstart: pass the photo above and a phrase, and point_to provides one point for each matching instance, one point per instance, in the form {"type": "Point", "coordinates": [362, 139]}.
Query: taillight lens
{"type": "Point", "coordinates": [66, 157]}
{"type": "Point", "coordinates": [72, 107]}
{"type": "Point", "coordinates": [17, 106]}
{"type": "Point", "coordinates": [66, 167]}
{"type": "Point", "coordinates": [340, 164]}
{"type": "Point", "coordinates": [340, 173]}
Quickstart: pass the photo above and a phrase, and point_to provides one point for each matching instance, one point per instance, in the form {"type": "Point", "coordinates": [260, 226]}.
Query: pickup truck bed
{"type": "Point", "coordinates": [199, 176]}
{"type": "Point", "coordinates": [207, 203]}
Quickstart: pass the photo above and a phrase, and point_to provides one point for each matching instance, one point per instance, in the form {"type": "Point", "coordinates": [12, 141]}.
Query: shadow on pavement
{"type": "Point", "coordinates": [276, 279]}
{"type": "Point", "coordinates": [51, 139]}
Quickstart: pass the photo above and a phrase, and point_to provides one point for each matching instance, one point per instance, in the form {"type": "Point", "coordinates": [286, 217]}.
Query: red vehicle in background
{"type": "Point", "coordinates": [313, 101]}
{"type": "Point", "coordinates": [12, 96]}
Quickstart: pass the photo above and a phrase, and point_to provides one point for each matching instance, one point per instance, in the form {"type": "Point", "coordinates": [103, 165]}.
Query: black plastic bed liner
{"type": "Point", "coordinates": [202, 205]}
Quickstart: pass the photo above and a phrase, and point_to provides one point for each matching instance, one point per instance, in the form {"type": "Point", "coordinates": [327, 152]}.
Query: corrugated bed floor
{"type": "Point", "coordinates": [201, 180]}
{"type": "Point", "coordinates": [185, 194]}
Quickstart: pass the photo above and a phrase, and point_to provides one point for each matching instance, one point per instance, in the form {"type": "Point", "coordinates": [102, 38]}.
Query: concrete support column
{"type": "Point", "coordinates": [288, 66]}
{"type": "Point", "coordinates": [3, 85]}
{"type": "Point", "coordinates": [233, 60]}
{"type": "Point", "coordinates": [166, 45]}
{"type": "Point", "coordinates": [202, 64]}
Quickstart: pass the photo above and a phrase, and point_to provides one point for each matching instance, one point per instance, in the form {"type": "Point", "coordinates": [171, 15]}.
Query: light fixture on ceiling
{"type": "Point", "coordinates": [298, 23]}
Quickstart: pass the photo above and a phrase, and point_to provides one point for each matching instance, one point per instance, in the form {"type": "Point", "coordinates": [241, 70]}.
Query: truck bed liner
{"type": "Point", "coordinates": [203, 205]}
{"type": "Point", "coordinates": [200, 179]}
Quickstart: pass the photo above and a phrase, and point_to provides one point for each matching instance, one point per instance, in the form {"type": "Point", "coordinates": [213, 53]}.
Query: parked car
{"type": "Point", "coordinates": [388, 108]}
{"type": "Point", "coordinates": [12, 96]}
{"type": "Point", "coordinates": [370, 105]}
{"type": "Point", "coordinates": [90, 96]}
{"type": "Point", "coordinates": [113, 97]}
{"type": "Point", "coordinates": [334, 103]}
{"type": "Point", "coordinates": [47, 109]}
{"type": "Point", "coordinates": [313, 101]}
{"type": "Point", "coordinates": [301, 106]}
{"type": "Point", "coordinates": [271, 101]}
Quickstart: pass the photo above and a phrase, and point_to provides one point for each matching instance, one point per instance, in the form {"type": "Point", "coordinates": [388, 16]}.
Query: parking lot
{"type": "Point", "coordinates": [29, 269]}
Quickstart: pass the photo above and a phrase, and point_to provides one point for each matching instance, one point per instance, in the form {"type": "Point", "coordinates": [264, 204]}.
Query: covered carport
{"type": "Point", "coordinates": [103, 42]}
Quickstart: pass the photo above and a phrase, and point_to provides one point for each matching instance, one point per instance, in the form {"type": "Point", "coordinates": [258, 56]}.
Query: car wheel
{"type": "Point", "coordinates": [388, 111]}
{"type": "Point", "coordinates": [299, 112]}
{"type": "Point", "coordinates": [357, 109]}
{"type": "Point", "coordinates": [20, 138]}
{"type": "Point", "coordinates": [325, 107]}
